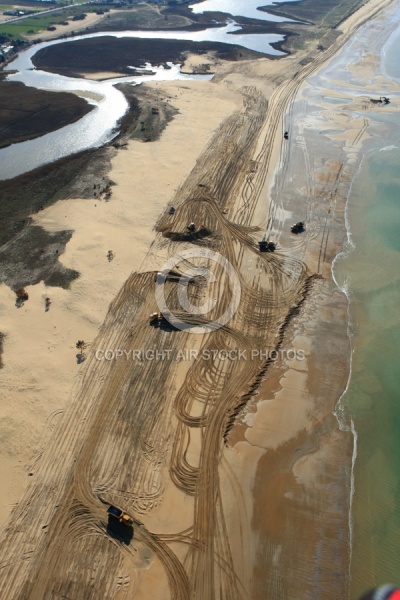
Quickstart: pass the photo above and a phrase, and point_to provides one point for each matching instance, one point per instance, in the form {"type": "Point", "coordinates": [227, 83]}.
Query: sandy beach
{"type": "Point", "coordinates": [237, 473]}
{"type": "Point", "coordinates": [125, 224]}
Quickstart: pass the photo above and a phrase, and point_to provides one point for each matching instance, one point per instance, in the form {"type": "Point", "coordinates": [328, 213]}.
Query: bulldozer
{"type": "Point", "coordinates": [297, 227]}
{"type": "Point", "coordinates": [267, 246]}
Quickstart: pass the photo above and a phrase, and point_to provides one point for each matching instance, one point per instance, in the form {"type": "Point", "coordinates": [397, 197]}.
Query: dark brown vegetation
{"type": "Point", "coordinates": [151, 113]}
{"type": "Point", "coordinates": [72, 176]}
{"type": "Point", "coordinates": [141, 17]}
{"type": "Point", "coordinates": [81, 346]}
{"type": "Point", "coordinates": [29, 254]}
{"type": "Point", "coordinates": [317, 20]}
{"type": "Point", "coordinates": [115, 54]}
{"type": "Point", "coordinates": [322, 12]}
{"type": "Point", "coordinates": [27, 113]}
{"type": "Point", "coordinates": [33, 256]}
{"type": "Point", "coordinates": [22, 296]}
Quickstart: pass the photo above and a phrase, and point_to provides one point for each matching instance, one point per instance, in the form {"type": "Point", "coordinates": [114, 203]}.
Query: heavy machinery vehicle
{"type": "Point", "coordinates": [267, 246]}
{"type": "Point", "coordinates": [122, 517]}
{"type": "Point", "coordinates": [297, 227]}
{"type": "Point", "coordinates": [155, 318]}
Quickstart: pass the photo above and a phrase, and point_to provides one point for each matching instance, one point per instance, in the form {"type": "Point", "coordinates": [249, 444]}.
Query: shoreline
{"type": "Point", "coordinates": [374, 59]}
{"type": "Point", "coordinates": [154, 259]}
{"type": "Point", "coordinates": [366, 148]}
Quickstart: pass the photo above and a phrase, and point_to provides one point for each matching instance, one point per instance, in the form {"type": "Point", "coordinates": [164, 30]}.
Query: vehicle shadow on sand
{"type": "Point", "coordinates": [119, 531]}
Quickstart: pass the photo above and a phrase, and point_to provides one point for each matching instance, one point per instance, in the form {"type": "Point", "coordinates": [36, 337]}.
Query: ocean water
{"type": "Point", "coordinates": [370, 271]}
{"type": "Point", "coordinates": [391, 55]}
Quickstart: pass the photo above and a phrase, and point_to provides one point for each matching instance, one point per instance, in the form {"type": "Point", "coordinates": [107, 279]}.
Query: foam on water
{"type": "Point", "coordinates": [388, 148]}
{"type": "Point", "coordinates": [352, 491]}
{"type": "Point", "coordinates": [341, 412]}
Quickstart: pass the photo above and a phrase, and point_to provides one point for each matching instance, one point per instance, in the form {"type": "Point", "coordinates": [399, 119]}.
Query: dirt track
{"type": "Point", "coordinates": [138, 431]}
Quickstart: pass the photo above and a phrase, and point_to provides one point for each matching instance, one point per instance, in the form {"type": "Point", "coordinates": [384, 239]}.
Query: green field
{"type": "Point", "coordinates": [35, 23]}
{"type": "Point", "coordinates": [31, 25]}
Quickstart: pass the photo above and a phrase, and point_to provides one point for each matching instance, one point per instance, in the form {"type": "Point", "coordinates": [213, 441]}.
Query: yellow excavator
{"type": "Point", "coordinates": [155, 318]}
{"type": "Point", "coordinates": [122, 517]}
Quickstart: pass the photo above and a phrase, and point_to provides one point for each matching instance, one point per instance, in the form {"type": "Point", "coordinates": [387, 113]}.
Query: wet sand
{"type": "Point", "coordinates": [357, 80]}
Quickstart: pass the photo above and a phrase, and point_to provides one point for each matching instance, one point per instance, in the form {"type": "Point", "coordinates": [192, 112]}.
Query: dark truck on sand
{"type": "Point", "coordinates": [122, 517]}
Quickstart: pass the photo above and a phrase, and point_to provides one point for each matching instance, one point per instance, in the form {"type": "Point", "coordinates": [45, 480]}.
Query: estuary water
{"type": "Point", "coordinates": [91, 131]}
{"type": "Point", "coordinates": [250, 9]}
{"type": "Point", "coordinates": [99, 126]}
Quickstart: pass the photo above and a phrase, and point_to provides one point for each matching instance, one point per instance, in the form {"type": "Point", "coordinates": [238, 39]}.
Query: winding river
{"type": "Point", "coordinates": [99, 126]}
